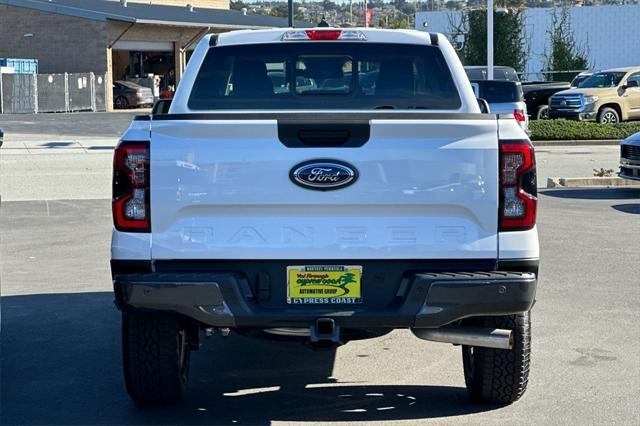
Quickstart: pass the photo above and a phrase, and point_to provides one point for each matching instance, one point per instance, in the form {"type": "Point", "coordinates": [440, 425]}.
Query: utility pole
{"type": "Point", "coordinates": [490, 39]}
{"type": "Point", "coordinates": [351, 12]}
{"type": "Point", "coordinates": [290, 13]}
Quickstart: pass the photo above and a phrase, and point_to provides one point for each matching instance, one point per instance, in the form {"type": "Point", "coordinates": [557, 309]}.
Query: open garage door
{"type": "Point", "coordinates": [146, 63]}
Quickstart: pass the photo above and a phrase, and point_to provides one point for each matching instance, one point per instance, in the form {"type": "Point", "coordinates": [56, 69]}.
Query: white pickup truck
{"type": "Point", "coordinates": [325, 185]}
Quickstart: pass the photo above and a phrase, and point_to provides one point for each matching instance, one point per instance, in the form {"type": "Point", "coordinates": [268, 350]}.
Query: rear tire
{"type": "Point", "coordinates": [499, 375]}
{"type": "Point", "coordinates": [155, 357]}
{"type": "Point", "coordinates": [121, 102]}
{"type": "Point", "coordinates": [543, 112]}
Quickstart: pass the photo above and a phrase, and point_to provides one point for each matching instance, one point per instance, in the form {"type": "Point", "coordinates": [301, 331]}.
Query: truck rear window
{"type": "Point", "coordinates": [324, 75]}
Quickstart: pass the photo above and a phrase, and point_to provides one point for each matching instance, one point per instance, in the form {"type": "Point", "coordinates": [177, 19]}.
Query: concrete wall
{"type": "Point", "coordinates": [610, 32]}
{"type": "Point", "coordinates": [59, 43]}
{"type": "Point", "coordinates": [212, 4]}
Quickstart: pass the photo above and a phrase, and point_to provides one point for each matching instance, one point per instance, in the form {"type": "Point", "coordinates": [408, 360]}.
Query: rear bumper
{"type": "Point", "coordinates": [421, 300]}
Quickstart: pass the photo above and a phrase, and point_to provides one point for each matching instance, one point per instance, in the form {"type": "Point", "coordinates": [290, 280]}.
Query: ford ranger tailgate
{"type": "Point", "coordinates": [426, 188]}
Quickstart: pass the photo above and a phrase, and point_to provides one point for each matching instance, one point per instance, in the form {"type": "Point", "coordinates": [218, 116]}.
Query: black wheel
{"type": "Point", "coordinates": [155, 357]}
{"type": "Point", "coordinates": [608, 115]}
{"type": "Point", "coordinates": [121, 102]}
{"type": "Point", "coordinates": [543, 112]}
{"type": "Point", "coordinates": [499, 375]}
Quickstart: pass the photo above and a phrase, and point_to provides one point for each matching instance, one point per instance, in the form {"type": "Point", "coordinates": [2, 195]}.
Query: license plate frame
{"type": "Point", "coordinates": [324, 284]}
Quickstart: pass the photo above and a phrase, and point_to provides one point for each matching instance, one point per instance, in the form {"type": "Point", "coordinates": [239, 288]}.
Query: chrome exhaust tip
{"type": "Point", "coordinates": [284, 331]}
{"type": "Point", "coordinates": [496, 338]}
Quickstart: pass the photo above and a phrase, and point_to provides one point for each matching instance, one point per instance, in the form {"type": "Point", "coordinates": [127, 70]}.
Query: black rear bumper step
{"type": "Point", "coordinates": [226, 299]}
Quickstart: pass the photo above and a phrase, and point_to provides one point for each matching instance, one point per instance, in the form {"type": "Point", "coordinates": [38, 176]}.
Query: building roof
{"type": "Point", "coordinates": [101, 10]}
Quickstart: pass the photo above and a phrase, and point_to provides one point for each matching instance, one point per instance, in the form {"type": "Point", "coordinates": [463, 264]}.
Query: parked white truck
{"type": "Point", "coordinates": [325, 185]}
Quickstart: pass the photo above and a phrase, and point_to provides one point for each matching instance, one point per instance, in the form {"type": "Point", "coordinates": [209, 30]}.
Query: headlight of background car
{"type": "Point", "coordinates": [590, 99]}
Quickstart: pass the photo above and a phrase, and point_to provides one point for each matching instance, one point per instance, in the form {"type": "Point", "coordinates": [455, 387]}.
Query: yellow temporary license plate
{"type": "Point", "coordinates": [324, 284]}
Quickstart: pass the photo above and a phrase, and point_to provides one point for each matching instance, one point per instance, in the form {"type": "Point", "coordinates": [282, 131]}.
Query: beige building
{"type": "Point", "coordinates": [120, 39]}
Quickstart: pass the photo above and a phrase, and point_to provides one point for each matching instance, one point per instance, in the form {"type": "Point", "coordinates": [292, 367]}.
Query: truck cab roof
{"type": "Point", "coordinates": [273, 35]}
{"type": "Point", "coordinates": [361, 49]}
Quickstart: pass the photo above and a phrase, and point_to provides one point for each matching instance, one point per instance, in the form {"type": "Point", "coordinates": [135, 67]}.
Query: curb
{"type": "Point", "coordinates": [579, 182]}
{"type": "Point", "coordinates": [595, 142]}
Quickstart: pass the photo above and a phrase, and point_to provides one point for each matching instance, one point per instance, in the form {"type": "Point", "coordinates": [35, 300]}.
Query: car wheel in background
{"type": "Point", "coordinates": [608, 115]}
{"type": "Point", "coordinates": [543, 112]}
{"type": "Point", "coordinates": [121, 102]}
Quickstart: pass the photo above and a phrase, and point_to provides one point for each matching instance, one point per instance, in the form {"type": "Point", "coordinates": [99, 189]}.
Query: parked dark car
{"type": "Point", "coordinates": [131, 95]}
{"type": "Point", "coordinates": [1, 137]}
{"type": "Point", "coordinates": [503, 97]}
{"type": "Point", "coordinates": [476, 72]}
{"type": "Point", "coordinates": [537, 94]}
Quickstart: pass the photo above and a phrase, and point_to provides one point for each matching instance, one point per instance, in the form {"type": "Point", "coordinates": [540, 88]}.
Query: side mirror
{"type": "Point", "coordinates": [484, 106]}
{"type": "Point", "coordinates": [631, 83]}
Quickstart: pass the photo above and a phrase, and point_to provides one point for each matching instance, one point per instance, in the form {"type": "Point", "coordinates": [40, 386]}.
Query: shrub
{"type": "Point", "coordinates": [548, 130]}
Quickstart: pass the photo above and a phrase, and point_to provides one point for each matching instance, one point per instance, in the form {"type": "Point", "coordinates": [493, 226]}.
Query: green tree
{"type": "Point", "coordinates": [395, 22]}
{"type": "Point", "coordinates": [328, 5]}
{"type": "Point", "coordinates": [565, 54]}
{"type": "Point", "coordinates": [238, 5]}
{"type": "Point", "coordinates": [280, 10]}
{"type": "Point", "coordinates": [510, 47]}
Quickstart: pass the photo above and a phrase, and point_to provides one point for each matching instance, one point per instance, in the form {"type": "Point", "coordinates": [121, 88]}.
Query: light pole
{"type": "Point", "coordinates": [490, 39]}
{"type": "Point", "coordinates": [351, 12]}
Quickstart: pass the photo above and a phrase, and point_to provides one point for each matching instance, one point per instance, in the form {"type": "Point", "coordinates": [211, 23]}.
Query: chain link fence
{"type": "Point", "coordinates": [550, 75]}
{"type": "Point", "coordinates": [19, 93]}
{"type": "Point", "coordinates": [80, 92]}
{"type": "Point", "coordinates": [52, 92]}
{"type": "Point", "coordinates": [99, 93]}
{"type": "Point", "coordinates": [33, 93]}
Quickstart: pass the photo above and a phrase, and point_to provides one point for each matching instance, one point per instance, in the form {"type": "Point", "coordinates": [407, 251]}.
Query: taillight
{"type": "Point", "coordinates": [323, 34]}
{"type": "Point", "coordinates": [130, 201]}
{"type": "Point", "coordinates": [518, 185]}
{"type": "Point", "coordinates": [519, 115]}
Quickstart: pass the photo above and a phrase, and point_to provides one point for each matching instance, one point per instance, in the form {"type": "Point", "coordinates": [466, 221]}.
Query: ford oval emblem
{"type": "Point", "coordinates": [323, 175]}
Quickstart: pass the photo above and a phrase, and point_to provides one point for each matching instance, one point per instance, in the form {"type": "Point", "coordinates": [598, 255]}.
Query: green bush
{"type": "Point", "coordinates": [549, 130]}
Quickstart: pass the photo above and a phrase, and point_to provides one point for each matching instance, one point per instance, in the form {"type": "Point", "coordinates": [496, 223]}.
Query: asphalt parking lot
{"type": "Point", "coordinates": [60, 332]}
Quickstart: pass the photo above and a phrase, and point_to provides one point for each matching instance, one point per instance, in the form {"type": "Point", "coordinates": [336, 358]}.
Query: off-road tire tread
{"type": "Point", "coordinates": [502, 375]}
{"type": "Point", "coordinates": [151, 358]}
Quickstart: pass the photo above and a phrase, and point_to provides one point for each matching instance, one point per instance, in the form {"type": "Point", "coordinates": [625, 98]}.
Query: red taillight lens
{"type": "Point", "coordinates": [518, 186]}
{"type": "Point", "coordinates": [130, 201]}
{"type": "Point", "coordinates": [519, 115]}
{"type": "Point", "coordinates": [323, 34]}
